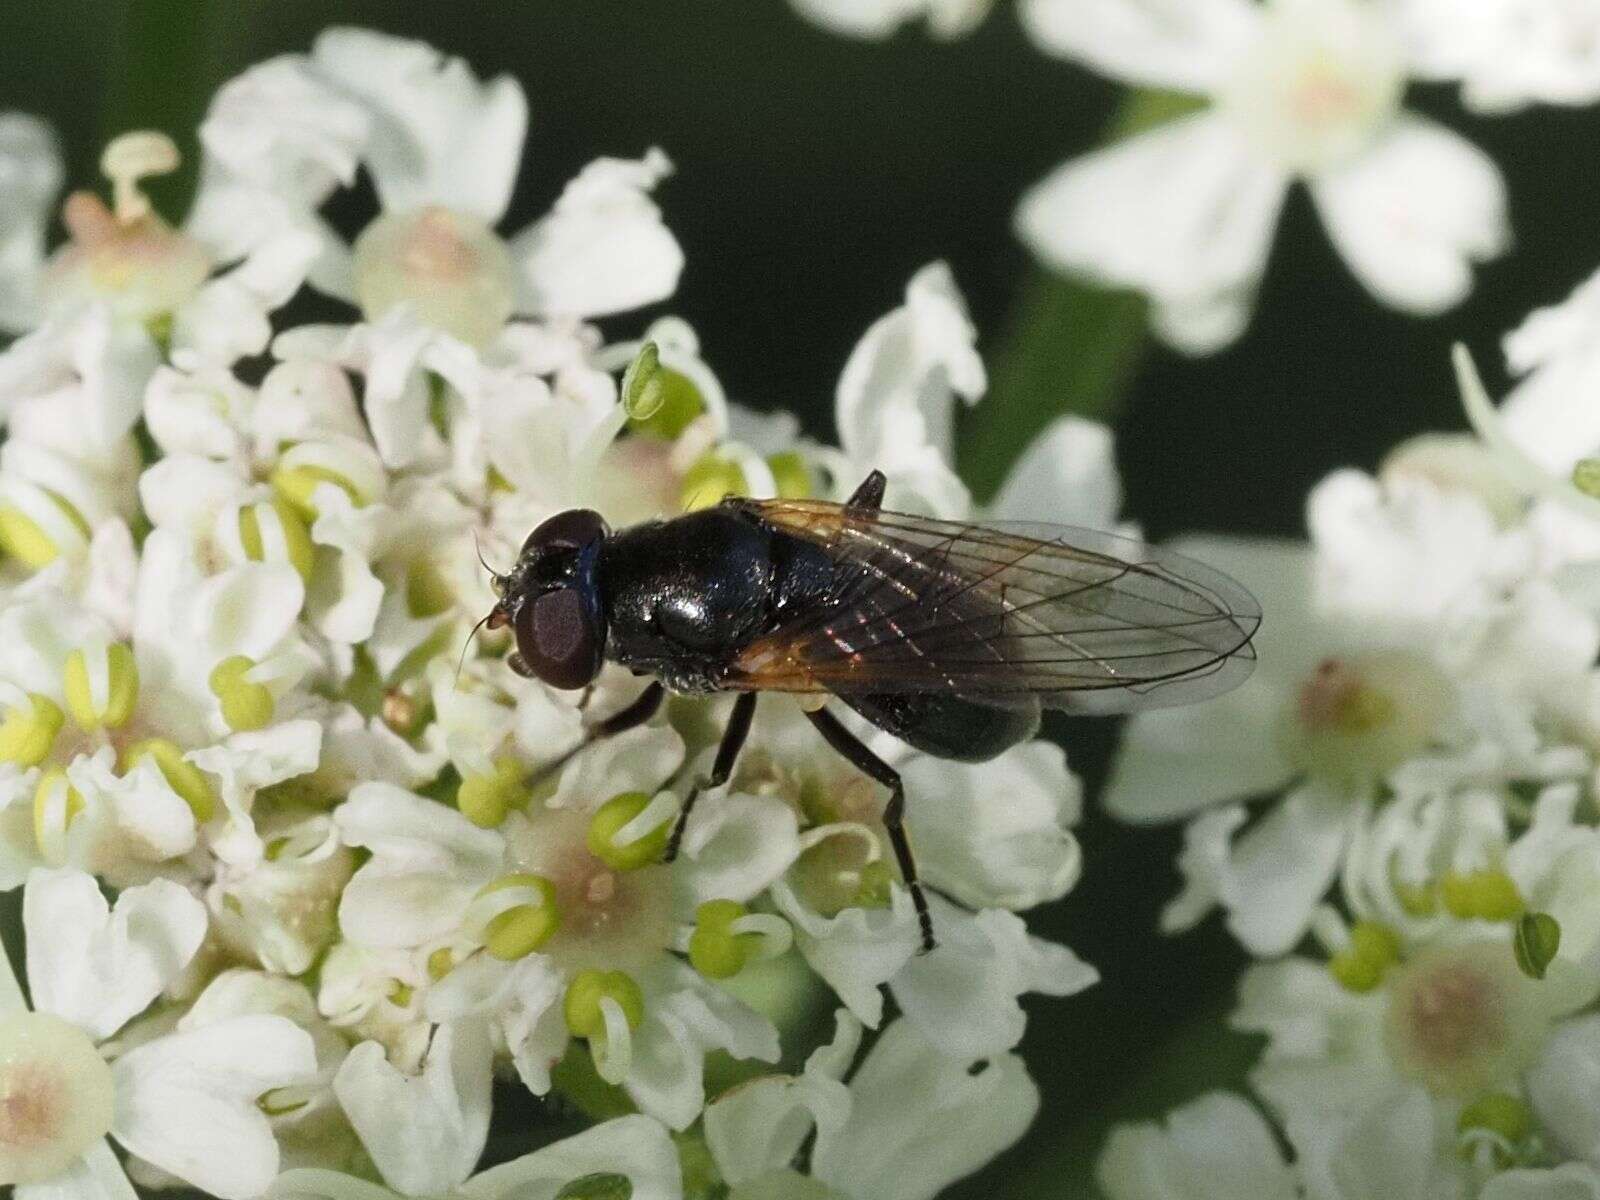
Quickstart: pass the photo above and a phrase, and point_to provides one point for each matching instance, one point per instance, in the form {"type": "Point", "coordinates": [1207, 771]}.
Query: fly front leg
{"type": "Point", "coordinates": [727, 753]}
{"type": "Point", "coordinates": [863, 759]}
{"type": "Point", "coordinates": [635, 715]}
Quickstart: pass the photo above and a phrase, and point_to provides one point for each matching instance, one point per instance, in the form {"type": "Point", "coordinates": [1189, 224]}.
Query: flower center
{"type": "Point", "coordinates": [126, 255]}
{"type": "Point", "coordinates": [452, 270]}
{"type": "Point", "coordinates": [1455, 1021]}
{"type": "Point", "coordinates": [55, 1096]}
{"type": "Point", "coordinates": [1318, 86]}
{"type": "Point", "coordinates": [1353, 719]}
{"type": "Point", "coordinates": [610, 919]}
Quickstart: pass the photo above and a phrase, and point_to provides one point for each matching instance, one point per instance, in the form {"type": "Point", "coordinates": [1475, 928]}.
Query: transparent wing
{"type": "Point", "coordinates": [1083, 621]}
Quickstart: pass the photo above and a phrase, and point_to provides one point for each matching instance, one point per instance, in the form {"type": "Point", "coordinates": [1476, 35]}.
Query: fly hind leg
{"type": "Point", "coordinates": [863, 759]}
{"type": "Point", "coordinates": [727, 753]}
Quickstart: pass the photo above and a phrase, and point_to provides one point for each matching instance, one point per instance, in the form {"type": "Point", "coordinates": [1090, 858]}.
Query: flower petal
{"type": "Point", "coordinates": [427, 863]}
{"type": "Point", "coordinates": [1412, 214]}
{"type": "Point", "coordinates": [438, 135]}
{"type": "Point", "coordinates": [187, 1102]}
{"type": "Point", "coordinates": [1215, 1148]}
{"type": "Point", "coordinates": [898, 389]}
{"type": "Point", "coordinates": [1186, 45]}
{"type": "Point", "coordinates": [99, 966]}
{"type": "Point", "coordinates": [997, 833]}
{"type": "Point", "coordinates": [1067, 475]}
{"type": "Point", "coordinates": [30, 177]}
{"type": "Point", "coordinates": [1184, 213]}
{"type": "Point", "coordinates": [424, 1132]}
{"type": "Point", "coordinates": [603, 248]}
{"type": "Point", "coordinates": [760, 1126]}
{"type": "Point", "coordinates": [735, 847]}
{"type": "Point", "coordinates": [964, 995]}
{"type": "Point", "coordinates": [634, 1146]}
{"type": "Point", "coordinates": [96, 1176]}
{"type": "Point", "coordinates": [1176, 761]}
{"type": "Point", "coordinates": [922, 1119]}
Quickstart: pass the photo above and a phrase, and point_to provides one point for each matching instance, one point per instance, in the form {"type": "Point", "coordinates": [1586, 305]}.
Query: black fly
{"type": "Point", "coordinates": [949, 636]}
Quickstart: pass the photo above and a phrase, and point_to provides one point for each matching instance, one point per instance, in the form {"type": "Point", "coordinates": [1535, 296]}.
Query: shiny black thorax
{"type": "Point", "coordinates": [683, 597]}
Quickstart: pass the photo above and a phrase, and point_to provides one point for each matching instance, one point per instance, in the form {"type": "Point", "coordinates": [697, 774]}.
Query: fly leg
{"type": "Point", "coordinates": [863, 759]}
{"type": "Point", "coordinates": [727, 751]}
{"type": "Point", "coordinates": [636, 714]}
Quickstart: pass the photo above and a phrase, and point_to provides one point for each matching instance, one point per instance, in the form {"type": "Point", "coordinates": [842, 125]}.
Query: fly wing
{"type": "Point", "coordinates": [1083, 621]}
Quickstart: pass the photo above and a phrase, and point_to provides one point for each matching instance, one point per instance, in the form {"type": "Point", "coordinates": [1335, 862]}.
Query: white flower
{"type": "Point", "coordinates": [1215, 1148]}
{"type": "Point", "coordinates": [634, 1147]}
{"type": "Point", "coordinates": [443, 150]}
{"type": "Point", "coordinates": [425, 1132]}
{"type": "Point", "coordinates": [880, 18]}
{"type": "Point", "coordinates": [912, 1120]}
{"type": "Point", "coordinates": [895, 1148]}
{"type": "Point", "coordinates": [896, 397]}
{"type": "Point", "coordinates": [1509, 53]}
{"type": "Point", "coordinates": [1299, 89]}
{"type": "Point", "coordinates": [185, 1101]}
{"type": "Point", "coordinates": [437, 881]}
{"type": "Point", "coordinates": [30, 177]}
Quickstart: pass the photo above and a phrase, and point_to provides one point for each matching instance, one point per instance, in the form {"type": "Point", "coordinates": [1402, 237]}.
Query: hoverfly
{"type": "Point", "coordinates": [950, 636]}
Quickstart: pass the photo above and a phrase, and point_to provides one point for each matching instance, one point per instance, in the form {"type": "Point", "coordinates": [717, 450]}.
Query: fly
{"type": "Point", "coordinates": [950, 636]}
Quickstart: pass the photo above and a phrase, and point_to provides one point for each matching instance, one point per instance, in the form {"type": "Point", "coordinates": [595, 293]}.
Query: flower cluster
{"type": "Point", "coordinates": [1247, 97]}
{"type": "Point", "coordinates": [1423, 883]}
{"type": "Point", "coordinates": [291, 902]}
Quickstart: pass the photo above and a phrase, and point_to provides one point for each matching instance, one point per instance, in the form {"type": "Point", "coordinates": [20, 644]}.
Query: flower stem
{"type": "Point", "coordinates": [1068, 346]}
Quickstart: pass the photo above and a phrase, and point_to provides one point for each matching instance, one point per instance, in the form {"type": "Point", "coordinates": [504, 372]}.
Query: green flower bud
{"type": "Point", "coordinates": [121, 675]}
{"type": "Point", "coordinates": [714, 949]}
{"type": "Point", "coordinates": [26, 540]}
{"type": "Point", "coordinates": [260, 526]}
{"type": "Point", "coordinates": [181, 775]}
{"type": "Point", "coordinates": [427, 593]}
{"type": "Point", "coordinates": [1503, 1117]}
{"type": "Point", "coordinates": [1586, 476]}
{"type": "Point", "coordinates": [1536, 942]}
{"type": "Point", "coordinates": [877, 881]}
{"type": "Point", "coordinates": [55, 803]}
{"type": "Point", "coordinates": [520, 931]}
{"type": "Point", "coordinates": [1485, 895]}
{"type": "Point", "coordinates": [296, 486]}
{"type": "Point", "coordinates": [28, 731]}
{"type": "Point", "coordinates": [485, 799]}
{"type": "Point", "coordinates": [790, 474]}
{"type": "Point", "coordinates": [664, 404]}
{"type": "Point", "coordinates": [584, 994]}
{"type": "Point", "coordinates": [711, 479]}
{"type": "Point", "coordinates": [1372, 950]}
{"type": "Point", "coordinates": [641, 391]}
{"type": "Point", "coordinates": [609, 821]}
{"type": "Point", "coordinates": [245, 705]}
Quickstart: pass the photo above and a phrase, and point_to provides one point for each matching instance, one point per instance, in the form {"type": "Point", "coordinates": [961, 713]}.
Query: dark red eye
{"type": "Point", "coordinates": [561, 639]}
{"type": "Point", "coordinates": [569, 530]}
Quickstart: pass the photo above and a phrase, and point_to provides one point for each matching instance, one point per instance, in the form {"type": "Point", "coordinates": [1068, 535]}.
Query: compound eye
{"type": "Point", "coordinates": [560, 639]}
{"type": "Point", "coordinates": [569, 530]}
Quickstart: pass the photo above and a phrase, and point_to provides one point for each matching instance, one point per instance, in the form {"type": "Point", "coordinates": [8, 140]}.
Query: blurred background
{"type": "Point", "coordinates": [814, 176]}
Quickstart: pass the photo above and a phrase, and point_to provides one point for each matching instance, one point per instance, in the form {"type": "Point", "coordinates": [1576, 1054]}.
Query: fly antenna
{"type": "Point", "coordinates": [477, 546]}
{"type": "Point", "coordinates": [462, 661]}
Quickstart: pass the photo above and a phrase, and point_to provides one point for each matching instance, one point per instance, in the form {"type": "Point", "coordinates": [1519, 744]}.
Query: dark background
{"type": "Point", "coordinates": [815, 175]}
